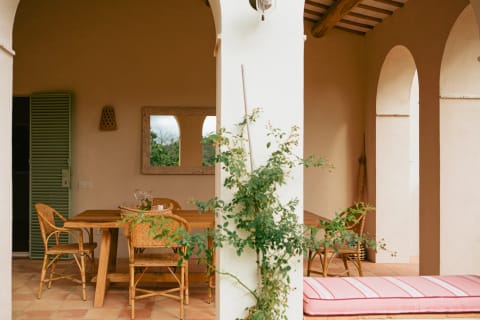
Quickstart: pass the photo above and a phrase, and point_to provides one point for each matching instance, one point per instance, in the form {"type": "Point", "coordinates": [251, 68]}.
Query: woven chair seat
{"type": "Point", "coordinates": [157, 259]}
{"type": "Point", "coordinates": [66, 248]}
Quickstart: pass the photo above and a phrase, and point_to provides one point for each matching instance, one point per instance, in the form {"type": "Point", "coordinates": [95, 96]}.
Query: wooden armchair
{"type": "Point", "coordinates": [348, 248]}
{"type": "Point", "coordinates": [54, 248]}
{"type": "Point", "coordinates": [152, 230]}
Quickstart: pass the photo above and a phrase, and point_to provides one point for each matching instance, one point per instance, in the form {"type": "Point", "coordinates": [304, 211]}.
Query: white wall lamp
{"type": "Point", "coordinates": [263, 6]}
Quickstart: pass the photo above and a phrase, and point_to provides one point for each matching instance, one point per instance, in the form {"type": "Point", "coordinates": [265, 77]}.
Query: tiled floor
{"type": "Point", "coordinates": [63, 300]}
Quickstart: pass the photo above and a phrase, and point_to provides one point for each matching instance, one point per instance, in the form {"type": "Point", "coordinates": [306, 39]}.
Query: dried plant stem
{"type": "Point", "coordinates": [250, 153]}
{"type": "Point", "coordinates": [245, 106]}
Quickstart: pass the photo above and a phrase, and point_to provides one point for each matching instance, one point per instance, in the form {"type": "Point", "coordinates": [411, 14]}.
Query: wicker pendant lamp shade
{"type": "Point", "coordinates": [107, 120]}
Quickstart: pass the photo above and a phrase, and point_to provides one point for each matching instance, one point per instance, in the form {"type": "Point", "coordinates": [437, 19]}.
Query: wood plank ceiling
{"type": "Point", "coordinates": [358, 16]}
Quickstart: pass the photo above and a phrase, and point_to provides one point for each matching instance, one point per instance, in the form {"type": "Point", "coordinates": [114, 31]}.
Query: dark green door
{"type": "Point", "coordinates": [50, 159]}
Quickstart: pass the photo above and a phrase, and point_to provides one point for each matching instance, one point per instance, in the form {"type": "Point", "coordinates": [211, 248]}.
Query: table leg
{"type": "Point", "coordinates": [103, 259]}
{"type": "Point", "coordinates": [112, 261]}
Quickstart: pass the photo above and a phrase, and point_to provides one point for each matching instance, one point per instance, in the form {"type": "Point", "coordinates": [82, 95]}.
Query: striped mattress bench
{"type": "Point", "coordinates": [396, 295]}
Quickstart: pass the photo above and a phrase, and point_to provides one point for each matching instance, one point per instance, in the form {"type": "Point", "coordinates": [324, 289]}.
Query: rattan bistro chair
{"type": "Point", "coordinates": [156, 231]}
{"type": "Point", "coordinates": [54, 249]}
{"type": "Point", "coordinates": [174, 205]}
{"type": "Point", "coordinates": [347, 252]}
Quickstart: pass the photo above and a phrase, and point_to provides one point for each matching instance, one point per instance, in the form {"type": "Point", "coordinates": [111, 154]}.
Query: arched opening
{"type": "Point", "coordinates": [460, 148]}
{"type": "Point", "coordinates": [397, 158]}
{"type": "Point", "coordinates": [208, 149]}
{"type": "Point", "coordinates": [164, 141]}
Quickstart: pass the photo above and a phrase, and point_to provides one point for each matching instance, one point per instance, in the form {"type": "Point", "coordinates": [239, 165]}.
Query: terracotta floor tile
{"type": "Point", "coordinates": [63, 300]}
{"type": "Point", "coordinates": [102, 313]}
{"type": "Point", "coordinates": [38, 314]}
{"type": "Point", "coordinates": [71, 314]}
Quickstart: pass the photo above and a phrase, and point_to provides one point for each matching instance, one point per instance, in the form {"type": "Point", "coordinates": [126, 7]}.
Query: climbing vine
{"type": "Point", "coordinates": [256, 218]}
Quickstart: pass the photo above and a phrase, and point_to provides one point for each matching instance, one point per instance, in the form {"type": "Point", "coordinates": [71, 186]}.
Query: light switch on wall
{"type": "Point", "coordinates": [65, 178]}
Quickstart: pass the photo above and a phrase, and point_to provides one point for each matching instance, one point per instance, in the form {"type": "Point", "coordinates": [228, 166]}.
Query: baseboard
{"type": "Point", "coordinates": [18, 254]}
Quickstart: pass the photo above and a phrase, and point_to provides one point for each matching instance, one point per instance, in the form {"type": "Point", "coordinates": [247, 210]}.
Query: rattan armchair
{"type": "Point", "coordinates": [54, 248]}
{"type": "Point", "coordinates": [348, 251]}
{"type": "Point", "coordinates": [151, 230]}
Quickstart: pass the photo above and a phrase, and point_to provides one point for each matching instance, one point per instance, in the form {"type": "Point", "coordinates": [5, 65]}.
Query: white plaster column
{"type": "Point", "coordinates": [394, 218]}
{"type": "Point", "coordinates": [7, 15]}
{"type": "Point", "coordinates": [272, 54]}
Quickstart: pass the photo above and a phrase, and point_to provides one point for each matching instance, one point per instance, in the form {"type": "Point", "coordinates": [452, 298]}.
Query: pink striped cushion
{"type": "Point", "coordinates": [391, 295]}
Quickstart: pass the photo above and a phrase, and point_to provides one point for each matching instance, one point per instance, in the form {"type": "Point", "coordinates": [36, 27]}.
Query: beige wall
{"type": "Point", "coordinates": [153, 58]}
{"type": "Point", "coordinates": [334, 127]}
{"type": "Point", "coordinates": [422, 27]}
{"type": "Point", "coordinates": [128, 56]}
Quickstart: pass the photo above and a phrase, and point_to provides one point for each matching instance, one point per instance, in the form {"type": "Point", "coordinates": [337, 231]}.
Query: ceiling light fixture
{"type": "Point", "coordinates": [263, 6]}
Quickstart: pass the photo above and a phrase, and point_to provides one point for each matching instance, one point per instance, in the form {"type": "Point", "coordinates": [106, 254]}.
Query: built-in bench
{"type": "Point", "coordinates": [452, 296]}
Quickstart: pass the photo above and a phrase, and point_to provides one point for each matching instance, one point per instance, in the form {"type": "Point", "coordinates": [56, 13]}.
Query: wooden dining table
{"type": "Point", "coordinates": [109, 223]}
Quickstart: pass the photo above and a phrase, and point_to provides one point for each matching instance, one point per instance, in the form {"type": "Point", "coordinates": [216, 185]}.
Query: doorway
{"type": "Point", "coordinates": [20, 175]}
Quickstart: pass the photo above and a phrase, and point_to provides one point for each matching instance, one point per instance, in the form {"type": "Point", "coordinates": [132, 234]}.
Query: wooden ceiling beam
{"type": "Point", "coordinates": [334, 14]}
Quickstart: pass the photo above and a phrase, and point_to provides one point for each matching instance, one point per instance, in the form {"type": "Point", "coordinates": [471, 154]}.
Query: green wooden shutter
{"type": "Point", "coordinates": [50, 151]}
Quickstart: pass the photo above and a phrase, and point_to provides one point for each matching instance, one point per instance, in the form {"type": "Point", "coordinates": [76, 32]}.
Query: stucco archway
{"type": "Point", "coordinates": [459, 147]}
{"type": "Point", "coordinates": [397, 157]}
